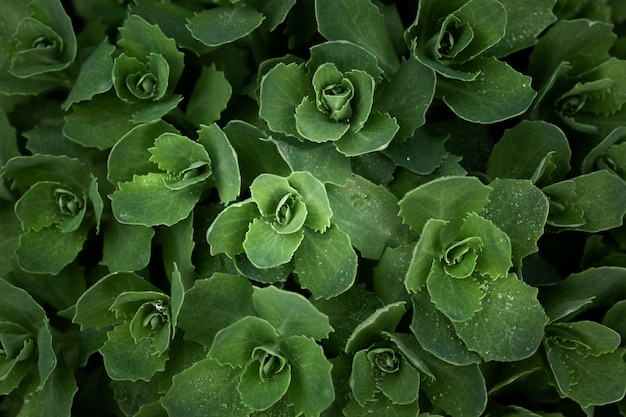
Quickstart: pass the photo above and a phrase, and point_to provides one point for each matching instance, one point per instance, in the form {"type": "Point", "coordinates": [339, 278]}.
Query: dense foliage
{"type": "Point", "coordinates": [280, 208]}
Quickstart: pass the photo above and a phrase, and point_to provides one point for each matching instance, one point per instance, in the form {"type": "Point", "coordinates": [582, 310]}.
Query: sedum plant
{"type": "Point", "coordinates": [312, 208]}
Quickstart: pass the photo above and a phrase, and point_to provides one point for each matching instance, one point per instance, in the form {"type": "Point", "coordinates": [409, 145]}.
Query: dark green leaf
{"type": "Point", "coordinates": [235, 344]}
{"type": "Point", "coordinates": [209, 96]}
{"type": "Point", "coordinates": [224, 24]}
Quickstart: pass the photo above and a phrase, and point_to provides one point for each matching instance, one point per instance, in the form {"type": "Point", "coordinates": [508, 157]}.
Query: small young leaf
{"type": "Point", "coordinates": [314, 197]}
{"type": "Point", "coordinates": [234, 345]}
{"type": "Point", "coordinates": [266, 248]}
{"type": "Point", "coordinates": [258, 393]}
{"type": "Point", "coordinates": [458, 299]}
{"type": "Point", "coordinates": [228, 231]}
{"type": "Point", "coordinates": [376, 134]}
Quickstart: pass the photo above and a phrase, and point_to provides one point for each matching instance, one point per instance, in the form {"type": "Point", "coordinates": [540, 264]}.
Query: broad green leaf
{"type": "Point", "coordinates": [18, 306]}
{"type": "Point", "coordinates": [126, 247]}
{"type": "Point", "coordinates": [258, 393]}
{"type": "Point", "coordinates": [265, 275]}
{"type": "Point", "coordinates": [49, 250]}
{"type": "Point", "coordinates": [234, 345]}
{"type": "Point", "coordinates": [346, 56]}
{"type": "Point", "coordinates": [589, 380]}
{"type": "Point", "coordinates": [436, 334]}
{"type": "Point", "coordinates": [325, 263]}
{"type": "Point", "coordinates": [130, 156]}
{"type": "Point", "coordinates": [375, 135]}
{"type": "Point", "coordinates": [94, 77]}
{"type": "Point", "coordinates": [520, 210]}
{"type": "Point", "coordinates": [520, 152]}
{"type": "Point", "coordinates": [523, 26]}
{"type": "Point", "coordinates": [390, 271]}
{"type": "Point", "coordinates": [93, 307]}
{"type": "Point", "coordinates": [499, 92]}
{"type": "Point", "coordinates": [444, 198]}
{"type": "Point", "coordinates": [275, 11]}
{"type": "Point", "coordinates": [406, 96]}
{"type": "Point", "coordinates": [290, 313]}
{"type": "Point", "coordinates": [459, 390]}
{"type": "Point", "coordinates": [38, 208]}
{"type": "Point", "coordinates": [587, 337]}
{"type": "Point", "coordinates": [28, 170]}
{"type": "Point", "coordinates": [382, 406]}
{"type": "Point", "coordinates": [100, 122]}
{"type": "Point", "coordinates": [321, 160]}
{"type": "Point", "coordinates": [209, 96]}
{"type": "Point", "coordinates": [401, 387]}
{"type": "Point", "coordinates": [363, 378]}
{"type": "Point", "coordinates": [205, 388]}
{"type": "Point", "coordinates": [150, 111]}
{"type": "Point", "coordinates": [457, 299]}
{"type": "Point", "coordinates": [178, 246]}
{"type": "Point", "coordinates": [174, 153]}
{"type": "Point", "coordinates": [147, 201]}
{"type": "Point", "coordinates": [316, 125]}
{"type": "Point", "coordinates": [357, 22]}
{"type": "Point", "coordinates": [48, 139]}
{"type": "Point", "coordinates": [369, 331]}
{"type": "Point", "coordinates": [314, 197]}
{"type": "Point", "coordinates": [53, 399]}
{"type": "Point", "coordinates": [228, 231]}
{"type": "Point", "coordinates": [266, 248]}
{"type": "Point", "coordinates": [422, 153]}
{"type": "Point", "coordinates": [368, 213]}
{"type": "Point", "coordinates": [510, 326]}
{"type": "Point", "coordinates": [311, 390]}
{"type": "Point", "coordinates": [125, 359]}
{"type": "Point", "coordinates": [224, 24]}
{"type": "Point", "coordinates": [281, 91]}
{"type": "Point", "coordinates": [208, 306]}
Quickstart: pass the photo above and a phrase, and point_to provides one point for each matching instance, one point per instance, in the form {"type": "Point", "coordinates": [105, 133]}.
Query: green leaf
{"type": "Point", "coordinates": [368, 213]}
{"type": "Point", "coordinates": [362, 378]}
{"type": "Point", "coordinates": [94, 77]}
{"type": "Point", "coordinates": [521, 150]}
{"type": "Point", "coordinates": [321, 160]}
{"type": "Point", "coordinates": [498, 93]}
{"type": "Point", "coordinates": [315, 125]}
{"type": "Point", "coordinates": [290, 313]}
{"type": "Point", "coordinates": [224, 24]}
{"type": "Point", "coordinates": [325, 263]}
{"type": "Point", "coordinates": [369, 331]}
{"type": "Point", "coordinates": [523, 27]}
{"type": "Point", "coordinates": [458, 299]}
{"type": "Point", "coordinates": [126, 359]}
{"type": "Point", "coordinates": [18, 306]}
{"type": "Point", "coordinates": [346, 56]}
{"type": "Point", "coordinates": [100, 122]}
{"type": "Point", "coordinates": [126, 247]}
{"type": "Point", "coordinates": [315, 199]}
{"type": "Point", "coordinates": [209, 96]}
{"type": "Point", "coordinates": [382, 406]}
{"type": "Point", "coordinates": [510, 326]}
{"type": "Point", "coordinates": [522, 219]}
{"type": "Point", "coordinates": [234, 345]}
{"type": "Point", "coordinates": [148, 201]}
{"type": "Point", "coordinates": [228, 231]}
{"type": "Point", "coordinates": [425, 254]}
{"type": "Point", "coordinates": [436, 334]}
{"type": "Point", "coordinates": [266, 248]}
{"type": "Point", "coordinates": [444, 198]}
{"type": "Point", "coordinates": [587, 337]}
{"type": "Point", "coordinates": [206, 298]}
{"type": "Point", "coordinates": [258, 393]}
{"type": "Point", "coordinates": [224, 162]}
{"type": "Point", "coordinates": [311, 390]}
{"type": "Point", "coordinates": [375, 135]}
{"type": "Point", "coordinates": [401, 387]}
{"type": "Point", "coordinates": [281, 91]}
{"type": "Point", "coordinates": [174, 153]}
{"type": "Point", "coordinates": [357, 22]}
{"type": "Point", "coordinates": [205, 387]}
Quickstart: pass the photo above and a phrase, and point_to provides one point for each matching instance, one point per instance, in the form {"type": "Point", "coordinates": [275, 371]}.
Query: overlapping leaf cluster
{"type": "Point", "coordinates": [313, 207]}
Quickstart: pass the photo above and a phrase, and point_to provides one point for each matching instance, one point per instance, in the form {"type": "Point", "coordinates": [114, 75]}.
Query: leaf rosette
{"type": "Point", "coordinates": [37, 43]}
{"type": "Point", "coordinates": [287, 223]}
{"type": "Point", "coordinates": [57, 210]}
{"type": "Point", "coordinates": [333, 100]}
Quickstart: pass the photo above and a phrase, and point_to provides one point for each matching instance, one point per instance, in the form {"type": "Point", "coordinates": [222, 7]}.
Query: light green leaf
{"type": "Point", "coordinates": [498, 93]}
{"type": "Point", "coordinates": [375, 135]}
{"type": "Point", "coordinates": [258, 393]}
{"type": "Point", "coordinates": [510, 325]}
{"type": "Point", "coordinates": [290, 313]}
{"type": "Point", "coordinates": [224, 24]}
{"type": "Point", "coordinates": [228, 231]}
{"type": "Point", "coordinates": [209, 96]}
{"type": "Point", "coordinates": [444, 198]}
{"type": "Point", "coordinates": [311, 390]}
{"type": "Point", "coordinates": [150, 111]}
{"type": "Point", "coordinates": [316, 125]}
{"type": "Point", "coordinates": [126, 247]}
{"type": "Point", "coordinates": [174, 153]}
{"type": "Point", "coordinates": [315, 199]}
{"type": "Point", "coordinates": [205, 388]}
{"type": "Point", "coordinates": [208, 306]}
{"type": "Point", "coordinates": [148, 201]}
{"type": "Point", "coordinates": [401, 387]}
{"type": "Point", "coordinates": [385, 319]}
{"type": "Point", "coordinates": [325, 263]}
{"type": "Point", "coordinates": [224, 162]}
{"type": "Point", "coordinates": [234, 345]}
{"type": "Point", "coordinates": [346, 56]}
{"type": "Point", "coordinates": [362, 378]}
{"type": "Point", "coordinates": [435, 333]}
{"type": "Point", "coordinates": [266, 248]}
{"type": "Point", "coordinates": [125, 359]}
{"type": "Point", "coordinates": [368, 213]}
{"type": "Point", "coordinates": [357, 22]}
{"type": "Point", "coordinates": [94, 77]}
{"type": "Point", "coordinates": [457, 298]}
